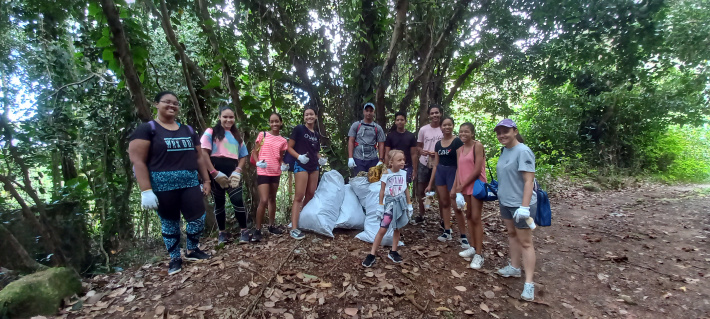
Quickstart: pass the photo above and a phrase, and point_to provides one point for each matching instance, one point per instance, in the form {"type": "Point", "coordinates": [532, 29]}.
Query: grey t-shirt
{"type": "Point", "coordinates": [511, 165]}
{"type": "Point", "coordinates": [366, 140]}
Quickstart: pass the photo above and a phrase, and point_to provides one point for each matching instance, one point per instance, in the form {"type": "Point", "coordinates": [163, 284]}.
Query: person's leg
{"type": "Point", "coordinates": [193, 210]}
{"type": "Point", "coordinates": [420, 197]}
{"type": "Point", "coordinates": [300, 192]}
{"type": "Point", "coordinates": [218, 195]}
{"type": "Point", "coordinates": [263, 190]}
{"type": "Point", "coordinates": [273, 189]}
{"type": "Point", "coordinates": [395, 239]}
{"type": "Point", "coordinates": [444, 206]}
{"type": "Point", "coordinates": [171, 236]}
{"type": "Point", "coordinates": [312, 186]}
{"type": "Point", "coordinates": [384, 225]}
{"type": "Point", "coordinates": [475, 225]}
{"type": "Point", "coordinates": [237, 199]}
{"type": "Point", "coordinates": [515, 250]}
{"type": "Point", "coordinates": [194, 231]}
{"type": "Point", "coordinates": [528, 252]}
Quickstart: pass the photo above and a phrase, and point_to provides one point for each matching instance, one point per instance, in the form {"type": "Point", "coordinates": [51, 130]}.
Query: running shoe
{"type": "Point", "coordinates": [468, 253]}
{"type": "Point", "coordinates": [369, 261]}
{"type": "Point", "coordinates": [174, 266]}
{"type": "Point", "coordinates": [446, 235]}
{"type": "Point", "coordinates": [224, 238]}
{"type": "Point", "coordinates": [256, 236]}
{"type": "Point", "coordinates": [245, 236]}
{"type": "Point", "coordinates": [464, 243]}
{"type": "Point", "coordinates": [528, 291]}
{"type": "Point", "coordinates": [477, 262]}
{"type": "Point", "coordinates": [275, 230]}
{"type": "Point", "coordinates": [297, 234]}
{"type": "Point", "coordinates": [509, 271]}
{"type": "Point", "coordinates": [197, 254]}
{"type": "Point", "coordinates": [395, 257]}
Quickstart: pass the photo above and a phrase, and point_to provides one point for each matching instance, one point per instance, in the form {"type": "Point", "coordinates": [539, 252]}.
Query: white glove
{"type": "Point", "coordinates": [430, 194]}
{"type": "Point", "coordinates": [460, 201]}
{"type": "Point", "coordinates": [410, 210]}
{"type": "Point", "coordinates": [222, 180]}
{"type": "Point", "coordinates": [379, 163]}
{"type": "Point", "coordinates": [235, 179]}
{"type": "Point", "coordinates": [380, 211]}
{"type": "Point", "coordinates": [303, 158]}
{"type": "Point", "coordinates": [322, 161]}
{"type": "Point", "coordinates": [261, 164]}
{"type": "Point", "coordinates": [351, 162]}
{"type": "Point", "coordinates": [149, 200]}
{"type": "Point", "coordinates": [521, 213]}
{"type": "Point", "coordinates": [284, 167]}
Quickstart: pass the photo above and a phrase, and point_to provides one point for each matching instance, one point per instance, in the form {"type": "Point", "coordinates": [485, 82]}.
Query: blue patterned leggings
{"type": "Point", "coordinates": [171, 234]}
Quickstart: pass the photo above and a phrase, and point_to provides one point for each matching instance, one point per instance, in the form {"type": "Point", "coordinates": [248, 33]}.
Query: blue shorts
{"type": "Point", "coordinates": [445, 175]}
{"type": "Point", "coordinates": [364, 165]}
{"type": "Point", "coordinates": [297, 168]}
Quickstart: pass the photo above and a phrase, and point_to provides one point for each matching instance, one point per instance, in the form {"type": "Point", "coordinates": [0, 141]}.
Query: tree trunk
{"type": "Point", "coordinates": [124, 54]}
{"type": "Point", "coordinates": [474, 65]}
{"type": "Point", "coordinates": [13, 255]}
{"type": "Point", "coordinates": [402, 6]}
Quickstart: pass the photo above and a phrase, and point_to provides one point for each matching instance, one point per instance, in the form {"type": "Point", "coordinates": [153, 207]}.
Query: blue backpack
{"type": "Point", "coordinates": [544, 211]}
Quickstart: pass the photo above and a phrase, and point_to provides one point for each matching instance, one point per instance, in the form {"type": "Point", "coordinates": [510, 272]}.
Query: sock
{"type": "Point", "coordinates": [463, 236]}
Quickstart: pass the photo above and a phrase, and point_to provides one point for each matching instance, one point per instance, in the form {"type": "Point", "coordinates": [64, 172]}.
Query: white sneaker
{"type": "Point", "coordinates": [468, 253]}
{"type": "Point", "coordinates": [464, 243]}
{"type": "Point", "coordinates": [444, 236]}
{"type": "Point", "coordinates": [509, 271]}
{"type": "Point", "coordinates": [477, 262]}
{"type": "Point", "coordinates": [528, 291]}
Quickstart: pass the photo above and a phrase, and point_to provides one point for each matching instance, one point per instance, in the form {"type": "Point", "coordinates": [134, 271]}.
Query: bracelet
{"type": "Point", "coordinates": [239, 168]}
{"type": "Point", "coordinates": [212, 171]}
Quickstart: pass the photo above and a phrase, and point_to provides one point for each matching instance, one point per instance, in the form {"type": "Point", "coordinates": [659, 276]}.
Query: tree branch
{"type": "Point", "coordinates": [475, 65]}
{"type": "Point", "coordinates": [402, 6]}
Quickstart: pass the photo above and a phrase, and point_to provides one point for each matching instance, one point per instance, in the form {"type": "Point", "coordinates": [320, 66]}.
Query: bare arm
{"type": "Point", "coordinates": [291, 144]}
{"type": "Point", "coordinates": [382, 193]}
{"type": "Point", "coordinates": [529, 178]}
{"type": "Point", "coordinates": [138, 153]}
{"type": "Point", "coordinates": [420, 149]}
{"type": "Point", "coordinates": [433, 170]}
{"type": "Point", "coordinates": [409, 198]}
{"type": "Point", "coordinates": [387, 154]}
{"type": "Point", "coordinates": [351, 146]}
{"type": "Point", "coordinates": [381, 148]}
{"type": "Point", "coordinates": [240, 166]}
{"type": "Point", "coordinates": [206, 159]}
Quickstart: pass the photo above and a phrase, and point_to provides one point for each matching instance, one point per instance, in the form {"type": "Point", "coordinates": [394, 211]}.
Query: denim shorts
{"type": "Point", "coordinates": [445, 175]}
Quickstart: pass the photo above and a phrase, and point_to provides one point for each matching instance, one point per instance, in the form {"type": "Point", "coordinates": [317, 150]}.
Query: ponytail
{"type": "Point", "coordinates": [519, 138]}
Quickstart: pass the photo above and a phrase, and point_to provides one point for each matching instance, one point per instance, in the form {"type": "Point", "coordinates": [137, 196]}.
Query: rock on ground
{"type": "Point", "coordinates": [38, 294]}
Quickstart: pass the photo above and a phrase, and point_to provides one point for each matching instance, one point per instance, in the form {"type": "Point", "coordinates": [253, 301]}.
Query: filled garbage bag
{"type": "Point", "coordinates": [352, 215]}
{"type": "Point", "coordinates": [369, 196]}
{"type": "Point", "coordinates": [321, 213]}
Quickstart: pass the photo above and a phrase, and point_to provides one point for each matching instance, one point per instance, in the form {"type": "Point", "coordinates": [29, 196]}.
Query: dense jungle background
{"type": "Point", "coordinates": [605, 92]}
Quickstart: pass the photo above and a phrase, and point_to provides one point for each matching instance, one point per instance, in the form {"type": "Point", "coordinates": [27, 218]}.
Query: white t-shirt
{"type": "Point", "coordinates": [395, 183]}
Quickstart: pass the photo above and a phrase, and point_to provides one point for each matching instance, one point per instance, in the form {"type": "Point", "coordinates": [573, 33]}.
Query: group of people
{"type": "Point", "coordinates": [175, 167]}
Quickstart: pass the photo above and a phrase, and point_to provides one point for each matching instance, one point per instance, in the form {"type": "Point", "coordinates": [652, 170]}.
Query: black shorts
{"type": "Point", "coordinates": [262, 179]}
{"type": "Point", "coordinates": [187, 201]}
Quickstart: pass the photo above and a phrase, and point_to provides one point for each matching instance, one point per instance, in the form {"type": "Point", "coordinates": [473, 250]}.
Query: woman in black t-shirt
{"type": "Point", "coordinates": [444, 176]}
{"type": "Point", "coordinates": [166, 160]}
{"type": "Point", "coordinates": [304, 146]}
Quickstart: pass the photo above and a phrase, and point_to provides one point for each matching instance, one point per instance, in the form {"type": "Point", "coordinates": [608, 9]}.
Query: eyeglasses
{"type": "Point", "coordinates": [176, 104]}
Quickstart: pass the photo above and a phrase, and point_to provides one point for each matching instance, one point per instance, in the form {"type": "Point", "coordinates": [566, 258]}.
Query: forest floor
{"type": "Point", "coordinates": [640, 252]}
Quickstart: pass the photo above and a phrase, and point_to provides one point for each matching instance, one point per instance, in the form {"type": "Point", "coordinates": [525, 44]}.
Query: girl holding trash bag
{"type": "Point", "coordinates": [516, 177]}
{"type": "Point", "coordinates": [471, 167]}
{"type": "Point", "coordinates": [227, 153]}
{"type": "Point", "coordinates": [444, 177]}
{"type": "Point", "coordinates": [395, 207]}
{"type": "Point", "coordinates": [268, 153]}
{"type": "Point", "coordinates": [304, 146]}
{"type": "Point", "coordinates": [166, 159]}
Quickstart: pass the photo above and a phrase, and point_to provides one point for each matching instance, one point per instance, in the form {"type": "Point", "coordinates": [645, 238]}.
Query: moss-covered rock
{"type": "Point", "coordinates": [38, 294]}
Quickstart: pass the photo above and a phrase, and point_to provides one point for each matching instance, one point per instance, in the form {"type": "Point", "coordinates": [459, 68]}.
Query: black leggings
{"type": "Point", "coordinates": [227, 166]}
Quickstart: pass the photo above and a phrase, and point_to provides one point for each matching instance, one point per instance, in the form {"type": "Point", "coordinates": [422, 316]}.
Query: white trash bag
{"type": "Point", "coordinates": [321, 213]}
{"type": "Point", "coordinates": [351, 214]}
{"type": "Point", "coordinates": [371, 199]}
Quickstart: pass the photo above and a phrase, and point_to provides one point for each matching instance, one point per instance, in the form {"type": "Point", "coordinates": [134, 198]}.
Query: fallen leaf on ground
{"type": "Point", "coordinates": [351, 311]}
{"type": "Point", "coordinates": [159, 310]}
{"type": "Point", "coordinates": [484, 307]}
{"type": "Point", "coordinates": [205, 308]}
{"type": "Point", "coordinates": [460, 288]}
{"type": "Point", "coordinates": [489, 294]}
{"type": "Point", "coordinates": [244, 291]}
{"type": "Point", "coordinates": [443, 309]}
{"type": "Point", "coordinates": [457, 275]}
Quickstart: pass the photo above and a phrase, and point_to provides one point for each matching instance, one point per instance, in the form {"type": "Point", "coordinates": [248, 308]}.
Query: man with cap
{"type": "Point", "coordinates": [366, 142]}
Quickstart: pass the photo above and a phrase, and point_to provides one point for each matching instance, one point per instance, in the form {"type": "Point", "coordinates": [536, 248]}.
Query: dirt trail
{"type": "Point", "coordinates": [635, 253]}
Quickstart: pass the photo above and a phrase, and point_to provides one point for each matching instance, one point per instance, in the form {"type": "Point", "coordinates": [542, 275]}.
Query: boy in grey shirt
{"type": "Point", "coordinates": [366, 142]}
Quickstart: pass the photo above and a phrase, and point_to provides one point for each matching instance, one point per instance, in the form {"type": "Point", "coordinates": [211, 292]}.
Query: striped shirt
{"type": "Point", "coordinates": [270, 151]}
